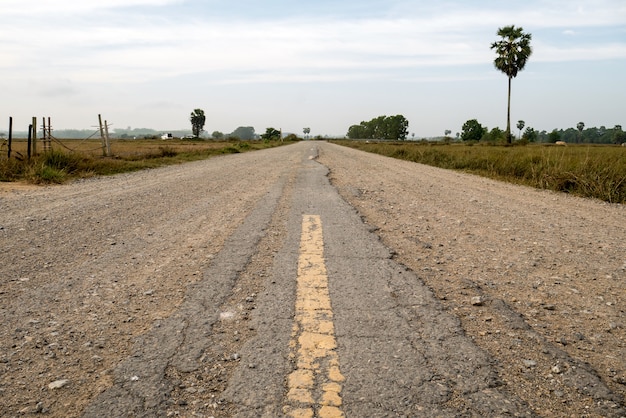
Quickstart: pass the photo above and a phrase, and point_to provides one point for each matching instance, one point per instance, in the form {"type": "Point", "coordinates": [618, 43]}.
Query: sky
{"type": "Point", "coordinates": [291, 64]}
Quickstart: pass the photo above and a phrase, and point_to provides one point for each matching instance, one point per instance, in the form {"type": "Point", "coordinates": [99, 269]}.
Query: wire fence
{"type": "Point", "coordinates": [47, 139]}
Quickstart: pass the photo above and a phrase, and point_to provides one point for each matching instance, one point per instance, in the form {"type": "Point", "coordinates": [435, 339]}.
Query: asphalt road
{"type": "Point", "coordinates": [397, 352]}
{"type": "Point", "coordinates": [247, 286]}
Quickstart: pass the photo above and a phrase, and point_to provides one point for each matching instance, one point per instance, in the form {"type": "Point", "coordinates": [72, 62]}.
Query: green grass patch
{"type": "Point", "coordinates": [595, 171]}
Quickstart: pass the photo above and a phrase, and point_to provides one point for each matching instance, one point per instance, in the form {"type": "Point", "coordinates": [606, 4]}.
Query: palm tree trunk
{"type": "Point", "coordinates": [508, 115]}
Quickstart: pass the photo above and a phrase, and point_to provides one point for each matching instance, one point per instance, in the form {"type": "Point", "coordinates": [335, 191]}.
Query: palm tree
{"type": "Point", "coordinates": [512, 52]}
{"type": "Point", "coordinates": [520, 126]}
{"type": "Point", "coordinates": [197, 119]}
{"type": "Point", "coordinates": [580, 126]}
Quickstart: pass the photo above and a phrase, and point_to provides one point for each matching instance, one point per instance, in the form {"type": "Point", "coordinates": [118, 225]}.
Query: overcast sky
{"type": "Point", "coordinates": [321, 64]}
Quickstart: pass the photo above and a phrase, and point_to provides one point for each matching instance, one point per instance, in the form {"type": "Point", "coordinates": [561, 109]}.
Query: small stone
{"type": "Point", "coordinates": [478, 301]}
{"type": "Point", "coordinates": [39, 408]}
{"type": "Point", "coordinates": [530, 363]}
{"type": "Point", "coordinates": [148, 292]}
{"type": "Point", "coordinates": [557, 369]}
{"type": "Point", "coordinates": [58, 384]}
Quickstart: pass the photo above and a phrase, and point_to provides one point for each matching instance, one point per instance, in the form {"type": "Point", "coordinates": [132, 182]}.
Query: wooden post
{"type": "Point", "coordinates": [10, 135]}
{"type": "Point", "coordinates": [104, 146]}
{"type": "Point", "coordinates": [45, 136]}
{"type": "Point", "coordinates": [106, 136]}
{"type": "Point", "coordinates": [49, 136]}
{"type": "Point", "coordinates": [30, 140]}
{"type": "Point", "coordinates": [34, 135]}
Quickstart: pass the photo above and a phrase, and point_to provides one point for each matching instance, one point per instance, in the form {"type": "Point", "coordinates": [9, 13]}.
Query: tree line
{"type": "Point", "coordinates": [382, 127]}
{"type": "Point", "coordinates": [474, 131]}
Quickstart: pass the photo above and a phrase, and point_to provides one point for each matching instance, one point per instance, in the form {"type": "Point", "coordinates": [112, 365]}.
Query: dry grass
{"type": "Point", "coordinates": [595, 171]}
{"type": "Point", "coordinates": [71, 159]}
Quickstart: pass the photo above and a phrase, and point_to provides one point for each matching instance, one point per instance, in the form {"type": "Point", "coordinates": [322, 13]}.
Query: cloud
{"type": "Point", "coordinates": [51, 8]}
{"type": "Point", "coordinates": [91, 41]}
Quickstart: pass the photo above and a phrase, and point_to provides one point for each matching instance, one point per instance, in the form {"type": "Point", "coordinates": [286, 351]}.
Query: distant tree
{"type": "Point", "coordinates": [520, 126]}
{"type": "Point", "coordinates": [197, 122]}
{"type": "Point", "coordinates": [496, 134]}
{"type": "Point", "coordinates": [580, 126]}
{"type": "Point", "coordinates": [381, 127]}
{"type": "Point", "coordinates": [244, 132]}
{"type": "Point", "coordinates": [217, 135]}
{"type": "Point", "coordinates": [447, 132]}
{"type": "Point", "coordinates": [530, 135]}
{"type": "Point", "coordinates": [554, 136]}
{"type": "Point", "coordinates": [306, 132]}
{"type": "Point", "coordinates": [512, 50]}
{"type": "Point", "coordinates": [271, 134]}
{"type": "Point", "coordinates": [619, 136]}
{"type": "Point", "coordinates": [397, 127]}
{"type": "Point", "coordinates": [472, 131]}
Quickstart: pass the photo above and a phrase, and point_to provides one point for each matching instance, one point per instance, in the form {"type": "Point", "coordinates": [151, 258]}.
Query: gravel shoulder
{"type": "Point", "coordinates": [90, 266]}
{"type": "Point", "coordinates": [536, 278]}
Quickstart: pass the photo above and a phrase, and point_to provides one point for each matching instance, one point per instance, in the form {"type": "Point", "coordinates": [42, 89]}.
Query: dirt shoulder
{"type": "Point", "coordinates": [536, 278]}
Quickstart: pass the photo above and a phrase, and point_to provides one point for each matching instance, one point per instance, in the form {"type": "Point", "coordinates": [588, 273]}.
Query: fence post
{"type": "Point", "coordinates": [104, 145]}
{"type": "Point", "coordinates": [34, 135]}
{"type": "Point", "coordinates": [106, 136]}
{"type": "Point", "coordinates": [10, 135]}
{"type": "Point", "coordinates": [48, 145]}
{"type": "Point", "coordinates": [30, 136]}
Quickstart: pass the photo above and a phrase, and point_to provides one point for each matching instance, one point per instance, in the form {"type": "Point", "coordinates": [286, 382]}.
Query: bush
{"type": "Point", "coordinates": [61, 161]}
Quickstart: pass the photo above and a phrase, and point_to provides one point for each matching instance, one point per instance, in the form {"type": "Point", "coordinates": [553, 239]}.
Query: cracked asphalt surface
{"type": "Point", "coordinates": [171, 292]}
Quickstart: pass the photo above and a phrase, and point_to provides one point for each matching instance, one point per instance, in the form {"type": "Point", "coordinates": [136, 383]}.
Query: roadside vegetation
{"type": "Point", "coordinates": [594, 171]}
{"type": "Point", "coordinates": [81, 159]}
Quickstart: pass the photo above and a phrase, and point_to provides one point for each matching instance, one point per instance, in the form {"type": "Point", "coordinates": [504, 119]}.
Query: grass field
{"type": "Point", "coordinates": [593, 171]}
{"type": "Point", "coordinates": [71, 159]}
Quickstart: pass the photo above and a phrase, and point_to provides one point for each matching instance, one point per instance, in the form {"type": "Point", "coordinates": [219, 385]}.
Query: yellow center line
{"type": "Point", "coordinates": [314, 387]}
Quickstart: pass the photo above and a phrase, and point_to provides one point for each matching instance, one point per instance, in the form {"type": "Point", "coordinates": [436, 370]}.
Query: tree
{"type": "Point", "coordinates": [619, 137]}
{"type": "Point", "coordinates": [512, 51]}
{"type": "Point", "coordinates": [381, 127]}
{"type": "Point", "coordinates": [197, 122]}
{"type": "Point", "coordinates": [580, 126]}
{"type": "Point", "coordinates": [447, 132]}
{"type": "Point", "coordinates": [396, 127]}
{"type": "Point", "coordinates": [530, 135]}
{"type": "Point", "coordinates": [472, 131]}
{"type": "Point", "coordinates": [554, 136]}
{"type": "Point", "coordinates": [306, 132]}
{"type": "Point", "coordinates": [217, 135]}
{"type": "Point", "coordinates": [520, 126]}
{"type": "Point", "coordinates": [357, 132]}
{"type": "Point", "coordinates": [271, 134]}
{"type": "Point", "coordinates": [244, 132]}
{"type": "Point", "coordinates": [496, 134]}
